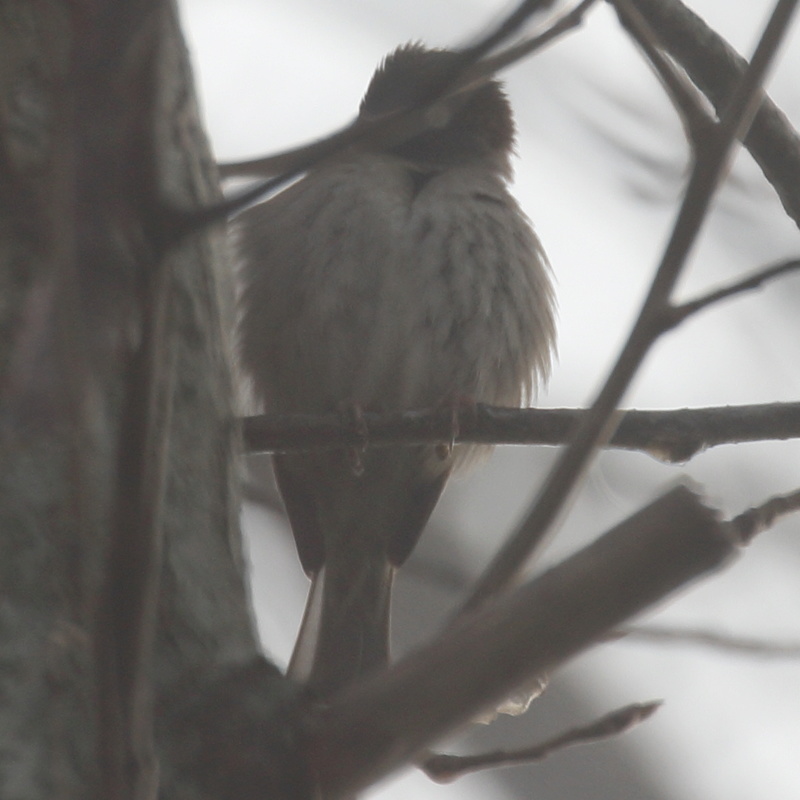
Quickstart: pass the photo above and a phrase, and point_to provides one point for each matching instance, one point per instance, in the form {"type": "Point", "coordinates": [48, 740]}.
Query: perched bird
{"type": "Point", "coordinates": [397, 278]}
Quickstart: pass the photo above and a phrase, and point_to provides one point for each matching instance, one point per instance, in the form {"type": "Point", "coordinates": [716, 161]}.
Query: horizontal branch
{"type": "Point", "coordinates": [673, 435]}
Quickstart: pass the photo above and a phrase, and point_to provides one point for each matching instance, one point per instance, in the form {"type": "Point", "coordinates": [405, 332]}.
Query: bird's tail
{"type": "Point", "coordinates": [345, 629]}
{"type": "Point", "coordinates": [352, 531]}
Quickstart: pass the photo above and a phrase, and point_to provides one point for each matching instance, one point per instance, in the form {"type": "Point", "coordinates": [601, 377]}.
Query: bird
{"type": "Point", "coordinates": [395, 276]}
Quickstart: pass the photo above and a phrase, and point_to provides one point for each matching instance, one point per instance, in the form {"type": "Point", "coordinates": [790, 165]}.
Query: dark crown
{"type": "Point", "coordinates": [481, 123]}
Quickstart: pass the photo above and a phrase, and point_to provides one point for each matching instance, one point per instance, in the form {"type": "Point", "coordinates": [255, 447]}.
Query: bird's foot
{"type": "Point", "coordinates": [354, 415]}
{"type": "Point", "coordinates": [456, 406]}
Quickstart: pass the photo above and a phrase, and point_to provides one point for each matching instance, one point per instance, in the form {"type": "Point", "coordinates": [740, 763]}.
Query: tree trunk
{"type": "Point", "coordinates": [100, 139]}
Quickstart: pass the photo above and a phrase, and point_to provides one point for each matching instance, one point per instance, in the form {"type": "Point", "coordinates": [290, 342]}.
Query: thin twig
{"type": "Point", "coordinates": [714, 640]}
{"type": "Point", "coordinates": [690, 104]}
{"type": "Point", "coordinates": [708, 171]}
{"type": "Point", "coordinates": [755, 520]}
{"type": "Point", "coordinates": [388, 130]}
{"type": "Point", "coordinates": [755, 281]}
{"type": "Point", "coordinates": [515, 53]}
{"type": "Point", "coordinates": [444, 768]}
{"type": "Point", "coordinates": [506, 29]}
{"type": "Point", "coordinates": [392, 128]}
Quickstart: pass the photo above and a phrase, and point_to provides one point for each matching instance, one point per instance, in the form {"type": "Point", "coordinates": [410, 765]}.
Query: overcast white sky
{"type": "Point", "coordinates": [600, 171]}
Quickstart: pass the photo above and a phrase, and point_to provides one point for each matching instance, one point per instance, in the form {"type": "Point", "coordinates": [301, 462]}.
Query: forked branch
{"type": "Point", "coordinates": [708, 170]}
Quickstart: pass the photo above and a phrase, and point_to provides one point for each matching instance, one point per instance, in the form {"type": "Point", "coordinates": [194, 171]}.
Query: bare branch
{"type": "Point", "coordinates": [444, 768]}
{"type": "Point", "coordinates": [392, 128]}
{"type": "Point", "coordinates": [397, 125]}
{"type": "Point", "coordinates": [714, 640]}
{"type": "Point", "coordinates": [715, 67]}
{"type": "Point", "coordinates": [691, 106]}
{"type": "Point", "coordinates": [755, 520]}
{"type": "Point", "coordinates": [708, 171]}
{"type": "Point", "coordinates": [517, 52]}
{"type": "Point", "coordinates": [668, 435]}
{"type": "Point", "coordinates": [738, 113]}
{"type": "Point", "coordinates": [368, 731]}
{"type": "Point", "coordinates": [672, 436]}
{"type": "Point", "coordinates": [755, 281]}
{"type": "Point", "coordinates": [506, 29]}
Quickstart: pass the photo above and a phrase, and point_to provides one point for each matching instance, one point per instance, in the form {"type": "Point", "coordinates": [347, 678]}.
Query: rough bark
{"type": "Point", "coordinates": [69, 330]}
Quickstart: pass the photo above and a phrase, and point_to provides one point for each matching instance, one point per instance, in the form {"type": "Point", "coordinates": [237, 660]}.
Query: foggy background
{"type": "Point", "coordinates": [601, 167]}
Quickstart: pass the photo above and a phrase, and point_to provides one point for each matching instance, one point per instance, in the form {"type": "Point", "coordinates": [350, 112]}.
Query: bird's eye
{"type": "Point", "coordinates": [438, 116]}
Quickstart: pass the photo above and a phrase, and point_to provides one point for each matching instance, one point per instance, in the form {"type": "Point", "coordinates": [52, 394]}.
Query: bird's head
{"type": "Point", "coordinates": [473, 124]}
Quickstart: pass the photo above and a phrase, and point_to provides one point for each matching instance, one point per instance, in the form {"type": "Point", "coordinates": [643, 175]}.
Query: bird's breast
{"type": "Point", "coordinates": [394, 296]}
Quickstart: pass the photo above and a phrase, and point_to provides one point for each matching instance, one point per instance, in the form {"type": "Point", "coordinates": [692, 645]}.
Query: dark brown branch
{"type": "Point", "coordinates": [673, 436]}
{"type": "Point", "coordinates": [368, 731]}
{"type": "Point", "coordinates": [445, 768]}
{"type": "Point", "coordinates": [715, 67]}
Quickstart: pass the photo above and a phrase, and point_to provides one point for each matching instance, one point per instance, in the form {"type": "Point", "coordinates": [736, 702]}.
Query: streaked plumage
{"type": "Point", "coordinates": [386, 281]}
